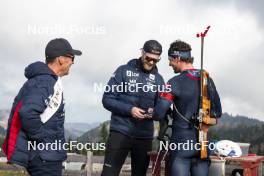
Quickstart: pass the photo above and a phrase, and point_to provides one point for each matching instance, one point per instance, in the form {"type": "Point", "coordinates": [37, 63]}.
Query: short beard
{"type": "Point", "coordinates": [143, 63]}
{"type": "Point", "coordinates": [176, 71]}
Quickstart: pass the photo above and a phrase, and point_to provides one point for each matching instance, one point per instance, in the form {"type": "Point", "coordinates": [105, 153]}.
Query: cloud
{"type": "Point", "coordinates": [111, 32]}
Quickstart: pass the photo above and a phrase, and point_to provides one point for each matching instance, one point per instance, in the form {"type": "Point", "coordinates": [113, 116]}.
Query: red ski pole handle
{"type": "Point", "coordinates": [203, 34]}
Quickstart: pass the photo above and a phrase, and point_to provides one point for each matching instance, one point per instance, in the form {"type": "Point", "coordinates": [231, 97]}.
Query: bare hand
{"type": "Point", "coordinates": [137, 113]}
{"type": "Point", "coordinates": [205, 127]}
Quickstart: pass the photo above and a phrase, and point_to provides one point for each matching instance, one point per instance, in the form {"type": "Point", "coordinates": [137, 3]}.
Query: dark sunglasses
{"type": "Point", "coordinates": [149, 59]}
{"type": "Point", "coordinates": [70, 56]}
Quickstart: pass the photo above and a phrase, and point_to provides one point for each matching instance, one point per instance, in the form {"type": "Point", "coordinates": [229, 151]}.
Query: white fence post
{"type": "Point", "coordinates": [89, 163]}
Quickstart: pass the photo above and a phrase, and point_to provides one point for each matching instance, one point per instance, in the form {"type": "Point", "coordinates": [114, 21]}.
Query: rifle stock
{"type": "Point", "coordinates": [203, 142]}
{"type": "Point", "coordinates": [205, 115]}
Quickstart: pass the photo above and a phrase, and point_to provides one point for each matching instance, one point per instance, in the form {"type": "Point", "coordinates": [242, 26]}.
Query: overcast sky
{"type": "Point", "coordinates": [111, 32]}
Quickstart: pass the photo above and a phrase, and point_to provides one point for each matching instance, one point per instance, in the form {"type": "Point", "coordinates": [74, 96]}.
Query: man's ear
{"type": "Point", "coordinates": [60, 60]}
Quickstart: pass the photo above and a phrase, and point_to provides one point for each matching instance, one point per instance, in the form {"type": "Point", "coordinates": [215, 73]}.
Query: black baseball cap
{"type": "Point", "coordinates": [60, 47]}
{"type": "Point", "coordinates": [153, 47]}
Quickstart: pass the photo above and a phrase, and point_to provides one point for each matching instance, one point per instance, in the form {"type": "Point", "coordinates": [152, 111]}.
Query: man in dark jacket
{"type": "Point", "coordinates": [185, 95]}
{"type": "Point", "coordinates": [133, 91]}
{"type": "Point", "coordinates": [37, 115]}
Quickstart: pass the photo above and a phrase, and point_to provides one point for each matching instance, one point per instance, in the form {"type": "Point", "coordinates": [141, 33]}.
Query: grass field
{"type": "Point", "coordinates": [12, 173]}
{"type": "Point", "coordinates": [9, 170]}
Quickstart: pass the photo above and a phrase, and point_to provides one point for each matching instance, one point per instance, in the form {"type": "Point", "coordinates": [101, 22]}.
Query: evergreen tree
{"type": "Point", "coordinates": [104, 133]}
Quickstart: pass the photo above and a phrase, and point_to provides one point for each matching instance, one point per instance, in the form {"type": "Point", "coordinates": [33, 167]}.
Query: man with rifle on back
{"type": "Point", "coordinates": [185, 96]}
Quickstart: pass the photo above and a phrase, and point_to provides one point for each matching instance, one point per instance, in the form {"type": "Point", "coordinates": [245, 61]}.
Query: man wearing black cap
{"type": "Point", "coordinates": [36, 122]}
{"type": "Point", "coordinates": [134, 89]}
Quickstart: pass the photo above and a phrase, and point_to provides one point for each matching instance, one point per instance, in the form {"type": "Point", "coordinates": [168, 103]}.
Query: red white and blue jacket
{"type": "Point", "coordinates": [37, 117]}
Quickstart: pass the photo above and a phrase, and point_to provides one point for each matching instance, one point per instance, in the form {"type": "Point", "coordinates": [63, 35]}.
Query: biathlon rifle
{"type": "Point", "coordinates": [204, 118]}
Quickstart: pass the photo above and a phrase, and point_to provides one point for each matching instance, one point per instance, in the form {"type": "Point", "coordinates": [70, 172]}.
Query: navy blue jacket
{"type": "Point", "coordinates": [120, 102]}
{"type": "Point", "coordinates": [37, 115]}
{"type": "Point", "coordinates": [185, 91]}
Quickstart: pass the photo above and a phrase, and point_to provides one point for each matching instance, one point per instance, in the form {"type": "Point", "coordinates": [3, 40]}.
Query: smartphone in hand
{"type": "Point", "coordinates": [149, 113]}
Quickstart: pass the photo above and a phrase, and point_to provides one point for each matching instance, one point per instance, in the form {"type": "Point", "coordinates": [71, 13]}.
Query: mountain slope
{"type": "Point", "coordinates": [75, 130]}
{"type": "Point", "coordinates": [4, 114]}
{"type": "Point", "coordinates": [2, 131]}
{"type": "Point", "coordinates": [240, 129]}
{"type": "Point", "coordinates": [95, 134]}
{"type": "Point", "coordinates": [236, 128]}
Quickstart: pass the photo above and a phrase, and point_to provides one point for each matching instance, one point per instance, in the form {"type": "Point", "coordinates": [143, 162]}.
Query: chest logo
{"type": "Point", "coordinates": [152, 77]}
{"type": "Point", "coordinates": [131, 74]}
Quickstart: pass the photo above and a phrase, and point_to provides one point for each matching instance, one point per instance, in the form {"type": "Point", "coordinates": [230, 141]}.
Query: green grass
{"type": "Point", "coordinates": [2, 164]}
{"type": "Point", "coordinates": [12, 173]}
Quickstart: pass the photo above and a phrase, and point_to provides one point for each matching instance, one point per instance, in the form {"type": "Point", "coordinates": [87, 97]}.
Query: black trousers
{"type": "Point", "coordinates": [117, 149]}
{"type": "Point", "coordinates": [39, 167]}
